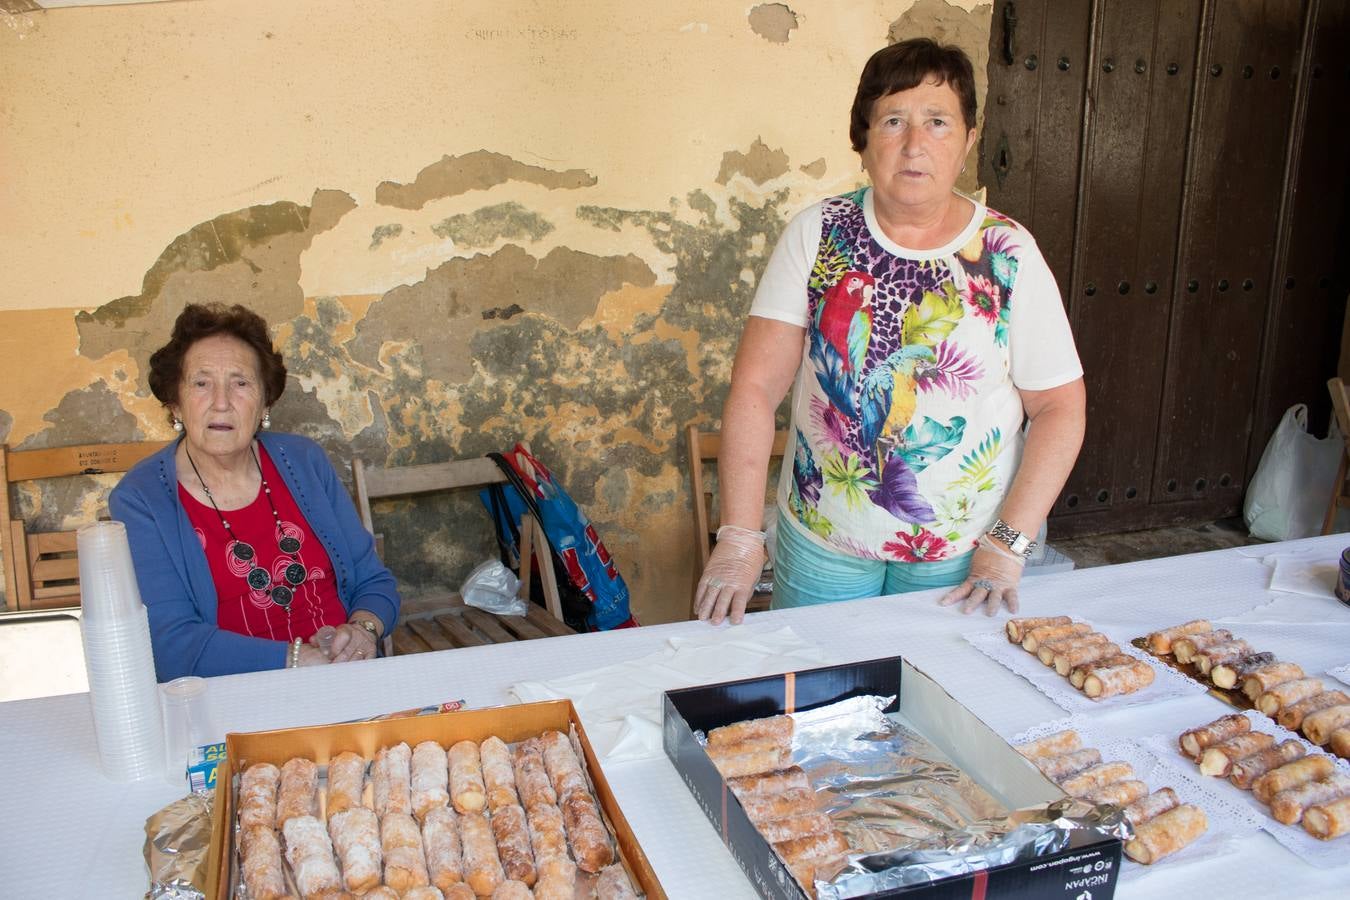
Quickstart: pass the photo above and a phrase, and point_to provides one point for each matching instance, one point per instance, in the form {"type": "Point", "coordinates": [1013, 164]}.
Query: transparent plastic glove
{"type": "Point", "coordinates": [729, 577]}
{"type": "Point", "coordinates": [992, 582]}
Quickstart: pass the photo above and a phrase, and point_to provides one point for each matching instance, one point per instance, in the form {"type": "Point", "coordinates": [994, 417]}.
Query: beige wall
{"type": "Point", "coordinates": [468, 222]}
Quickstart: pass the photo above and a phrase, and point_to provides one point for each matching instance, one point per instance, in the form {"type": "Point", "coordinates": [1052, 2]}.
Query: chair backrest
{"type": "Point", "coordinates": [1340, 492]}
{"type": "Point", "coordinates": [704, 447]}
{"type": "Point", "coordinates": [466, 474]}
{"type": "Point", "coordinates": [41, 570]}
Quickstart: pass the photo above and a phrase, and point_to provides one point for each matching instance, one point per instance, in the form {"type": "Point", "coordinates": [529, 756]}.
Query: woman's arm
{"type": "Point", "coordinates": [1058, 416]}
{"type": "Point", "coordinates": [766, 362]}
{"type": "Point", "coordinates": [184, 642]}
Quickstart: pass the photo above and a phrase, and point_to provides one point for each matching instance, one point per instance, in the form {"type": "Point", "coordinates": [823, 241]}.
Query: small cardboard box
{"type": "Point", "coordinates": [1086, 869]}
{"type": "Point", "coordinates": [320, 743]}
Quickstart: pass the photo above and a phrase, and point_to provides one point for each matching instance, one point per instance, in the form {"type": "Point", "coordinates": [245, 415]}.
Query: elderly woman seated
{"type": "Point", "coordinates": [247, 548]}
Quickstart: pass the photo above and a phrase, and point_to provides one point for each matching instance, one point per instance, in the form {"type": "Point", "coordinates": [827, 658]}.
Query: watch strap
{"type": "Point", "coordinates": [1013, 539]}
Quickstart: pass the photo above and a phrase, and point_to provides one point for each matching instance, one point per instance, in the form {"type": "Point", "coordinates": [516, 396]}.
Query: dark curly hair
{"type": "Point", "coordinates": [198, 321]}
{"type": "Point", "coordinates": [902, 66]}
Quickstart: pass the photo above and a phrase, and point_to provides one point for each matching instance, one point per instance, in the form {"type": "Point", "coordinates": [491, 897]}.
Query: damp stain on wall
{"type": "Point", "coordinates": [772, 21]}
{"type": "Point", "coordinates": [479, 170]}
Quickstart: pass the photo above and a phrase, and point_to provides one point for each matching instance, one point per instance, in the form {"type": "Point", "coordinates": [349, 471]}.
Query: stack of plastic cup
{"type": "Point", "coordinates": [123, 694]}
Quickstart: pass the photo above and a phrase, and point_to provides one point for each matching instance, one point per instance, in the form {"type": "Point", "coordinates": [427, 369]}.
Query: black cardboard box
{"type": "Point", "coordinates": [1086, 870]}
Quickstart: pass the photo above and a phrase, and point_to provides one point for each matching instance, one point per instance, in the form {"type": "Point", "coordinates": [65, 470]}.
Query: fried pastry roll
{"type": "Point", "coordinates": [1288, 693]}
{"type": "Point", "coordinates": [467, 792]}
{"type": "Point", "coordinates": [1194, 742]}
{"type": "Point", "coordinates": [564, 769]}
{"type": "Point", "coordinates": [482, 869]}
{"type": "Point", "coordinates": [762, 758]}
{"type": "Point", "coordinates": [531, 775]}
{"type": "Point", "coordinates": [513, 890]}
{"type": "Point", "coordinates": [1292, 716]}
{"type": "Point", "coordinates": [457, 891]}
{"type": "Point", "coordinates": [1161, 641]}
{"type": "Point", "coordinates": [346, 782]}
{"type": "Point", "coordinates": [499, 779]}
{"type": "Point", "coordinates": [405, 864]}
{"type": "Point", "coordinates": [1117, 680]}
{"type": "Point", "coordinates": [548, 839]}
{"type": "Point", "coordinates": [258, 795]}
{"type": "Point", "coordinates": [1263, 678]}
{"type": "Point", "coordinates": [1185, 648]}
{"type": "Point", "coordinates": [1017, 628]}
{"type": "Point", "coordinates": [777, 729]}
{"type": "Point", "coordinates": [440, 841]}
{"type": "Point", "coordinates": [1221, 654]}
{"type": "Point", "coordinates": [1229, 675]}
{"type": "Point", "coordinates": [555, 886]}
{"type": "Point", "coordinates": [813, 850]}
{"type": "Point", "coordinates": [356, 838]}
{"type": "Point", "coordinates": [1166, 833]}
{"type": "Point", "coordinates": [1089, 780]}
{"type": "Point", "coordinates": [429, 782]}
{"type": "Point", "coordinates": [613, 884]}
{"type": "Point", "coordinates": [1033, 638]}
{"type": "Point", "coordinates": [391, 780]}
{"type": "Point", "coordinates": [1249, 768]}
{"type": "Point", "coordinates": [1058, 768]}
{"type": "Point", "coordinates": [1309, 768]}
{"type": "Point", "coordinates": [385, 893]}
{"type": "Point", "coordinates": [770, 782]}
{"type": "Point", "coordinates": [1048, 650]}
{"type": "Point", "coordinates": [1218, 758]}
{"type": "Point", "coordinates": [586, 833]}
{"type": "Point", "coordinates": [310, 854]}
{"type": "Point", "coordinates": [1319, 725]}
{"type": "Point", "coordinates": [1287, 806]}
{"type": "Point", "coordinates": [1155, 804]}
{"type": "Point", "coordinates": [261, 864]}
{"type": "Point", "coordinates": [298, 792]}
{"type": "Point", "coordinates": [1118, 793]}
{"type": "Point", "coordinates": [1079, 674]}
{"type": "Point", "coordinates": [420, 892]}
{"type": "Point", "coordinates": [1066, 661]}
{"type": "Point", "coordinates": [1328, 820]}
{"type": "Point", "coordinates": [793, 827]}
{"type": "Point", "coordinates": [512, 833]}
{"type": "Point", "coordinates": [557, 868]}
{"type": "Point", "coordinates": [765, 807]}
{"type": "Point", "coordinates": [1340, 742]}
{"type": "Point", "coordinates": [1056, 744]}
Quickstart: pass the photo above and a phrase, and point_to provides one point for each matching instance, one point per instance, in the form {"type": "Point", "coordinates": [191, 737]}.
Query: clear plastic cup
{"type": "Point", "coordinates": [108, 589]}
{"type": "Point", "coordinates": [187, 723]}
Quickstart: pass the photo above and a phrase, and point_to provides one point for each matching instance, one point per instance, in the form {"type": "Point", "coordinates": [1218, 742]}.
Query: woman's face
{"type": "Point", "coordinates": [221, 397]}
{"type": "Point", "coordinates": [916, 145]}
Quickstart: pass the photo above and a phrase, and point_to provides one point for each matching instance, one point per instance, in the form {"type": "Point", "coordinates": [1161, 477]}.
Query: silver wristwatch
{"type": "Point", "coordinates": [1016, 541]}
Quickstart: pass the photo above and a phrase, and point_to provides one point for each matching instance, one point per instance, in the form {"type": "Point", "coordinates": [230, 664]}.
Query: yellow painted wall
{"type": "Point", "coordinates": [468, 222]}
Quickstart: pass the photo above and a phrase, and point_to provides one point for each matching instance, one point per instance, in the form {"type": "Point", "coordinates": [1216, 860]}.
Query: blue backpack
{"type": "Point", "coordinates": [593, 593]}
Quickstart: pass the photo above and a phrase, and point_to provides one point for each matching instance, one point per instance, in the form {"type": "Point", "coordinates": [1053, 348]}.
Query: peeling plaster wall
{"type": "Point", "coordinates": [468, 224]}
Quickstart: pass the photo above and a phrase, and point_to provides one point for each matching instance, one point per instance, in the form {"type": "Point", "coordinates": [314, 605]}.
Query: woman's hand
{"type": "Point", "coordinates": [729, 578]}
{"type": "Point", "coordinates": [992, 582]}
{"type": "Point", "coordinates": [311, 656]}
{"type": "Point", "coordinates": [352, 642]}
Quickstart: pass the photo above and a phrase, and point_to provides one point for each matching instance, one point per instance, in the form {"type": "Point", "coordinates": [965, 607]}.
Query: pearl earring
{"type": "Point", "coordinates": [177, 424]}
{"type": "Point", "coordinates": [267, 419]}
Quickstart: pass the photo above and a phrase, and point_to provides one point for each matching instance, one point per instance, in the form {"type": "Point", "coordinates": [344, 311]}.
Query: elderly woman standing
{"type": "Point", "coordinates": [916, 329]}
{"type": "Point", "coordinates": [245, 543]}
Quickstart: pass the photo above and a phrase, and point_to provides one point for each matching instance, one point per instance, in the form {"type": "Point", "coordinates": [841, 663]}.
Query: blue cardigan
{"type": "Point", "coordinates": [175, 580]}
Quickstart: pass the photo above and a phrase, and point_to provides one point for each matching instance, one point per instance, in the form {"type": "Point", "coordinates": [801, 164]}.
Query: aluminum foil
{"type": "Point", "coordinates": [911, 814]}
{"type": "Point", "coordinates": [177, 845]}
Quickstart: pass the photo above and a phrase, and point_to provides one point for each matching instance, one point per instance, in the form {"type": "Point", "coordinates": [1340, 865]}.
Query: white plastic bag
{"type": "Point", "coordinates": [491, 586]}
{"type": "Point", "coordinates": [1292, 486]}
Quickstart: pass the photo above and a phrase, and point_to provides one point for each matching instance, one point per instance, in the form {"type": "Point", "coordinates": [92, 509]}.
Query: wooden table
{"type": "Point", "coordinates": [455, 625]}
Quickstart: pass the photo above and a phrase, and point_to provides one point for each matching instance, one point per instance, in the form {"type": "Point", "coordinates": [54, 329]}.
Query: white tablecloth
{"type": "Point", "coordinates": [68, 832]}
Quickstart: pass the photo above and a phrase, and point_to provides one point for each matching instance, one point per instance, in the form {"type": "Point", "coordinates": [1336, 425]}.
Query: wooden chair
{"type": "Point", "coordinates": [1340, 491]}
{"type": "Point", "coordinates": [704, 446]}
{"type": "Point", "coordinates": [446, 622]}
{"type": "Point", "coordinates": [41, 570]}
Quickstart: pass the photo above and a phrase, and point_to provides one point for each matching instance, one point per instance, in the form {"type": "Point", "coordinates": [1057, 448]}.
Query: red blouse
{"type": "Point", "coordinates": [241, 608]}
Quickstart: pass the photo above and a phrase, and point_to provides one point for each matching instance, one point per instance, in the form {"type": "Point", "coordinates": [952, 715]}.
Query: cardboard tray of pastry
{"type": "Point", "coordinates": [452, 806]}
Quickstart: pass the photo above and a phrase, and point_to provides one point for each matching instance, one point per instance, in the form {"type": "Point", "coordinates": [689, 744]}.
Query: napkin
{"type": "Point", "coordinates": [1301, 575]}
{"type": "Point", "coordinates": [620, 704]}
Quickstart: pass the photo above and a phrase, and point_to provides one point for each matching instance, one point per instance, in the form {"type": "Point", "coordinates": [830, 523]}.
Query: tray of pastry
{"type": "Point", "coordinates": [504, 802]}
{"type": "Point", "coordinates": [1250, 679]}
